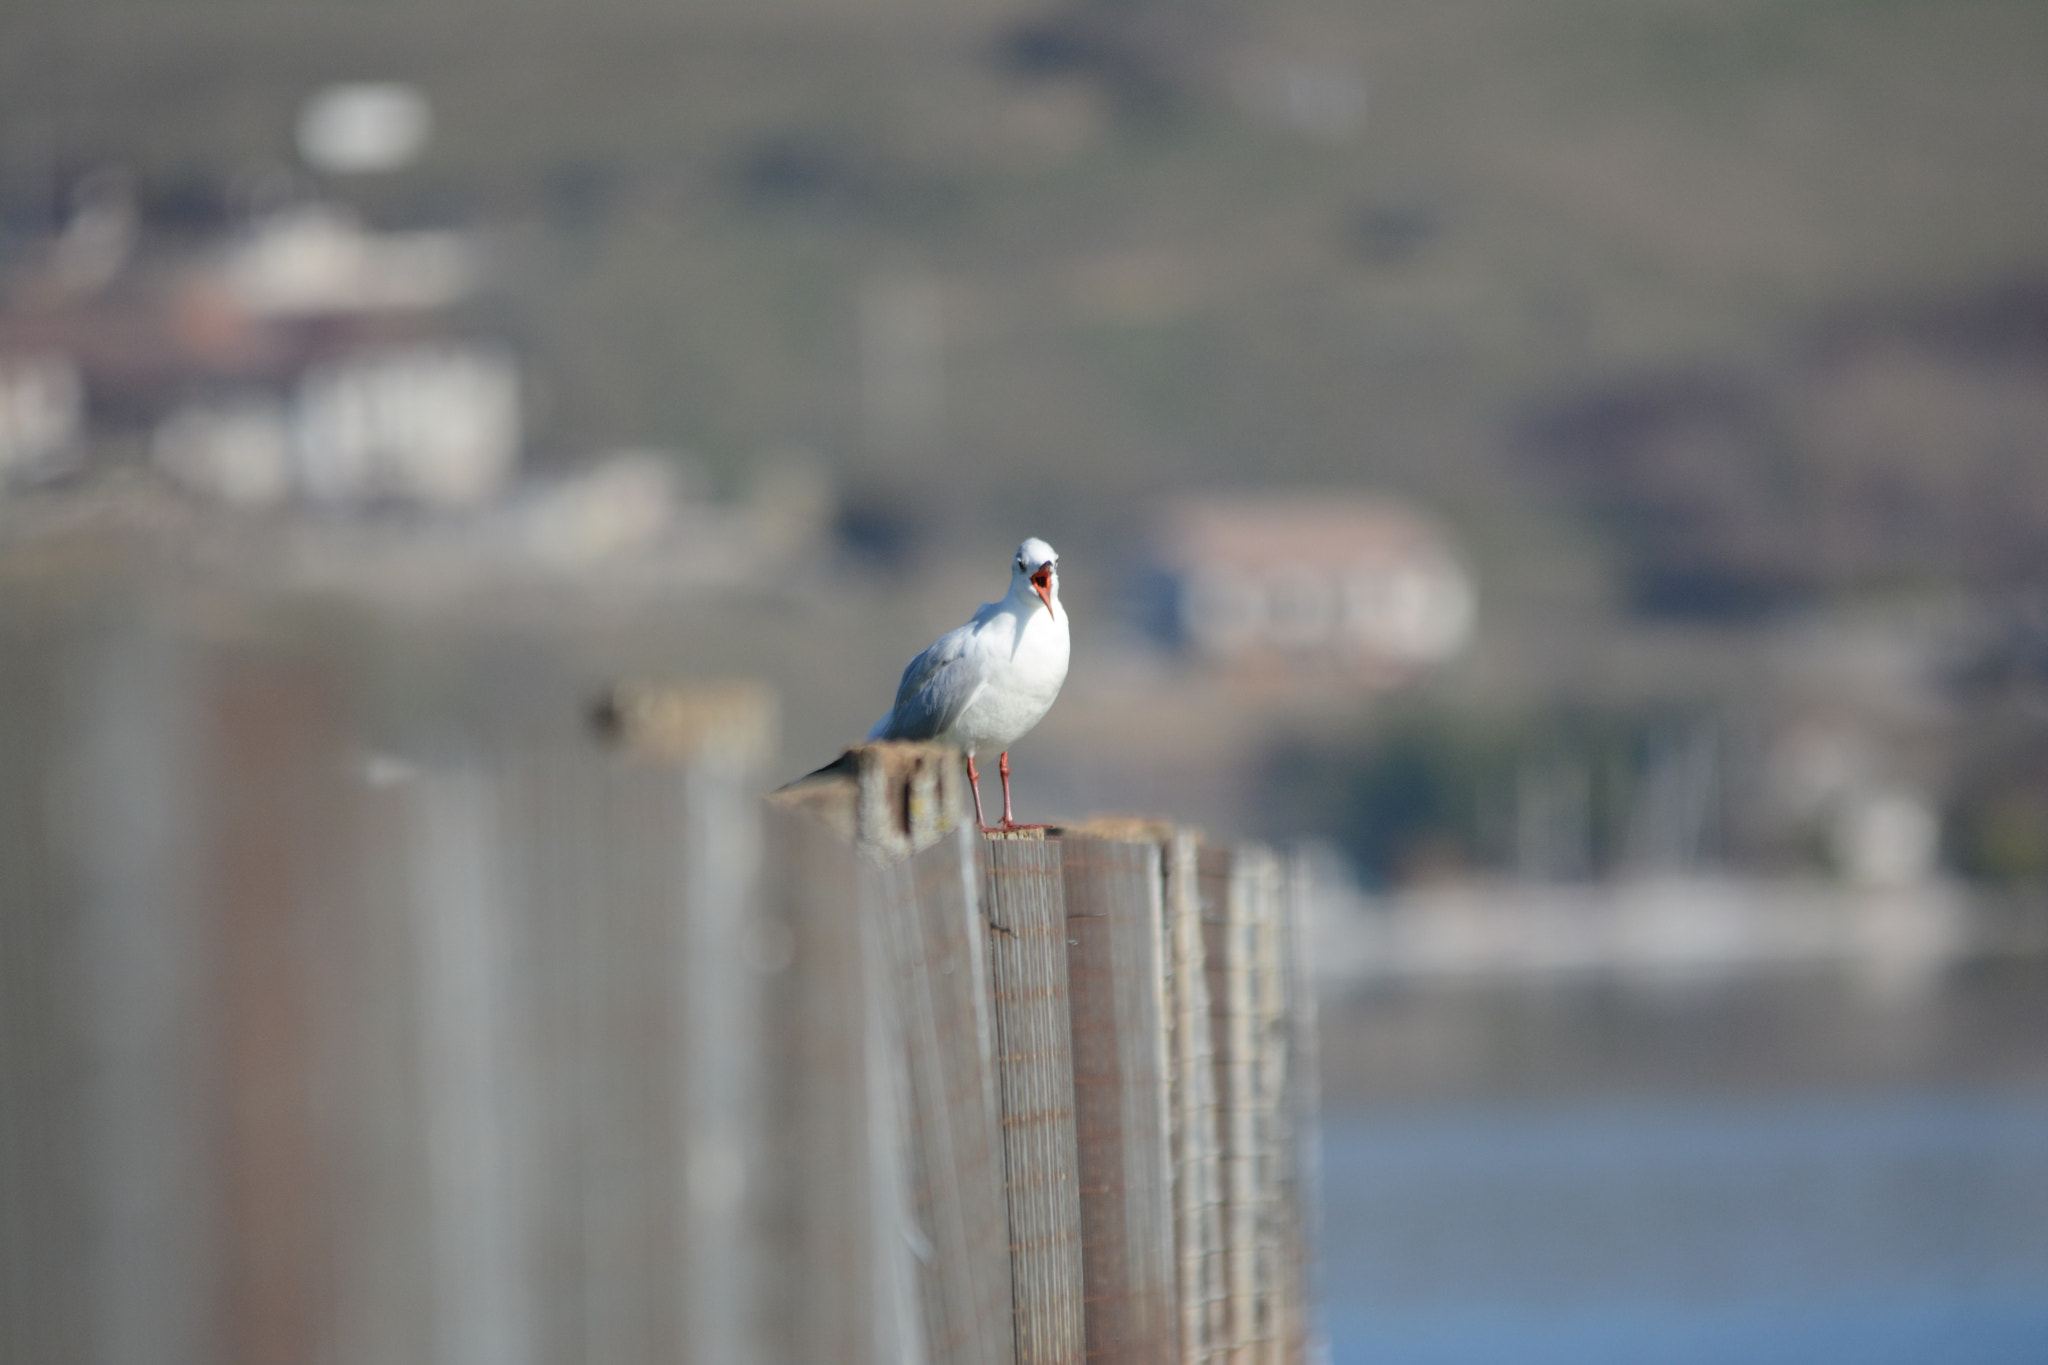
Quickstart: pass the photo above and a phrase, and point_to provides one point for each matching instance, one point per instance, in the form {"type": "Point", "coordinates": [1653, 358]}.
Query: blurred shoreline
{"type": "Point", "coordinates": [1670, 929]}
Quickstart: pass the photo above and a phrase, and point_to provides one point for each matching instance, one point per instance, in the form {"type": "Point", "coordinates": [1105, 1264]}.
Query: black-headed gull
{"type": "Point", "coordinates": [985, 684]}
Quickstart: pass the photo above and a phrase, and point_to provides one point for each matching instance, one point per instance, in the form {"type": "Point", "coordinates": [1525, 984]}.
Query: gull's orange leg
{"type": "Point", "coordinates": [974, 785]}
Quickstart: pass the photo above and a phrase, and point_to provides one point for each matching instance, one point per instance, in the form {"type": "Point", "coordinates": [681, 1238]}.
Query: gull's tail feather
{"type": "Point", "coordinates": [842, 766]}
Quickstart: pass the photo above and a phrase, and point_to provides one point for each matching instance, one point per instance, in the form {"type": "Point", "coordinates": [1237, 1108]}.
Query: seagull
{"type": "Point", "coordinates": [985, 684]}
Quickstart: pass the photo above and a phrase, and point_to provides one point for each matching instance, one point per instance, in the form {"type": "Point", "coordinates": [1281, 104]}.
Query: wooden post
{"type": "Point", "coordinates": [1301, 1175]}
{"type": "Point", "coordinates": [1035, 1079]}
{"type": "Point", "coordinates": [931, 905]}
{"type": "Point", "coordinates": [48, 1148]}
{"type": "Point", "coordinates": [1198, 1193]}
{"type": "Point", "coordinates": [888, 799]}
{"type": "Point", "coordinates": [1117, 987]}
{"type": "Point", "coordinates": [1242, 906]}
{"type": "Point", "coordinates": [900, 812]}
{"type": "Point", "coordinates": [552, 1116]}
{"type": "Point", "coordinates": [841, 1284]}
{"type": "Point", "coordinates": [275, 781]}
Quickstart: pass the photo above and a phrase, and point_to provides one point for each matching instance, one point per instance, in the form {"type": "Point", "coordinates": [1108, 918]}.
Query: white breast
{"type": "Point", "coordinates": [1020, 680]}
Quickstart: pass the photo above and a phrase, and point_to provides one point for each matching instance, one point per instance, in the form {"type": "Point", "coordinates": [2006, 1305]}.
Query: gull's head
{"type": "Point", "coordinates": [1038, 564]}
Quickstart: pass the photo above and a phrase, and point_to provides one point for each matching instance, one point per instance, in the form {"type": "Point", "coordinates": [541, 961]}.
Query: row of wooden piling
{"type": "Point", "coordinates": [1148, 1048]}
{"type": "Point", "coordinates": [505, 1054]}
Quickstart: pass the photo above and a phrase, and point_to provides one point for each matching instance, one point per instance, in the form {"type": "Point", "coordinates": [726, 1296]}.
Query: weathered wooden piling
{"type": "Point", "coordinates": [561, 1113]}
{"type": "Point", "coordinates": [1117, 994]}
{"type": "Point", "coordinates": [1301, 1137]}
{"type": "Point", "coordinates": [899, 811]}
{"type": "Point", "coordinates": [1146, 1070]}
{"type": "Point", "coordinates": [841, 1285]}
{"type": "Point", "coordinates": [509, 1055]}
{"type": "Point", "coordinates": [957, 1155]}
{"type": "Point", "coordinates": [1035, 1081]}
{"type": "Point", "coordinates": [1241, 910]}
{"type": "Point", "coordinates": [1198, 1226]}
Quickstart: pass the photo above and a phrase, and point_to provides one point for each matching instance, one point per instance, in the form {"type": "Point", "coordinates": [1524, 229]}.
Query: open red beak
{"type": "Point", "coordinates": [1042, 581]}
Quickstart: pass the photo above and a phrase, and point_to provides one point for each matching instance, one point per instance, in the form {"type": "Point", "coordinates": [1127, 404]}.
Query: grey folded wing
{"type": "Point", "coordinates": [936, 688]}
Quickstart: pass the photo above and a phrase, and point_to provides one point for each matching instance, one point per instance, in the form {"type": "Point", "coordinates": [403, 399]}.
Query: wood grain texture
{"type": "Point", "coordinates": [1035, 1079]}
{"type": "Point", "coordinates": [1242, 906]}
{"type": "Point", "coordinates": [1198, 1215]}
{"type": "Point", "coordinates": [1116, 983]}
{"type": "Point", "coordinates": [931, 904]}
{"type": "Point", "coordinates": [1300, 1178]}
{"type": "Point", "coordinates": [841, 1285]}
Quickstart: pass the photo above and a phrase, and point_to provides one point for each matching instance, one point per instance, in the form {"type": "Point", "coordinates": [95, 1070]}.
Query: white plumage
{"type": "Point", "coordinates": [985, 684]}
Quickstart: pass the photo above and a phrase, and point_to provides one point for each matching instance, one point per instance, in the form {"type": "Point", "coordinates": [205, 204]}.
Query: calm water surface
{"type": "Point", "coordinates": [1887, 1226]}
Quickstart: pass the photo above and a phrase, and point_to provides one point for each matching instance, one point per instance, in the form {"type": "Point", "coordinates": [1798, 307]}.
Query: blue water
{"type": "Point", "coordinates": [1885, 1229]}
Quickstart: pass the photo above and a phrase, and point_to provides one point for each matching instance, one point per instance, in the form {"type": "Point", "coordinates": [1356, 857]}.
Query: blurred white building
{"type": "Point", "coordinates": [1364, 584]}
{"type": "Point", "coordinates": [431, 424]}
{"type": "Point", "coordinates": [318, 258]}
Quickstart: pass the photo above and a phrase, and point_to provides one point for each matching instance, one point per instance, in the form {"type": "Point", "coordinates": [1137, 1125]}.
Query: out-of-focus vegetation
{"type": "Point", "coordinates": [1649, 231]}
{"type": "Point", "coordinates": [1686, 317]}
{"type": "Point", "coordinates": [1568, 794]}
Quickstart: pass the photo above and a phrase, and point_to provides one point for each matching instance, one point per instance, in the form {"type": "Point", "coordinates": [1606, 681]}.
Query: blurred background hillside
{"type": "Point", "coordinates": [1713, 334]}
{"type": "Point", "coordinates": [1616, 435]}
